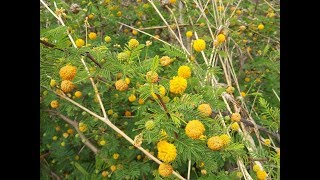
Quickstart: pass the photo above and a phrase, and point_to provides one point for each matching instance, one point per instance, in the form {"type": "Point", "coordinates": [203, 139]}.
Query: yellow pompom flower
{"type": "Point", "coordinates": [262, 175]}
{"type": "Point", "coordinates": [54, 138]}
{"type": "Point", "coordinates": [127, 113]}
{"type": "Point", "coordinates": [215, 143]}
{"type": "Point", "coordinates": [127, 80]}
{"type": "Point", "coordinates": [115, 156]}
{"type": "Point", "coordinates": [141, 101]}
{"type": "Point", "coordinates": [260, 27]}
{"type": "Point", "coordinates": [91, 16]}
{"type": "Point", "coordinates": [194, 129]}
{"type": "Point", "coordinates": [165, 60]}
{"type": "Point", "coordinates": [82, 127]}
{"type": "Point", "coordinates": [132, 98]}
{"type": "Point", "coordinates": [65, 135]}
{"type": "Point", "coordinates": [70, 131]}
{"type": "Point", "coordinates": [220, 8]}
{"type": "Point", "coordinates": [205, 109]}
{"type": "Point", "coordinates": [247, 79]}
{"type": "Point", "coordinates": [165, 170]}
{"type": "Point", "coordinates": [267, 142]}
{"type": "Point", "coordinates": [152, 76]}
{"type": "Point", "coordinates": [134, 32]}
{"type": "Point", "coordinates": [184, 71]}
{"type": "Point", "coordinates": [54, 104]}
{"type": "Point", "coordinates": [67, 86]}
{"type": "Point", "coordinates": [133, 43]}
{"type": "Point", "coordinates": [256, 168]}
{"type": "Point", "coordinates": [104, 173]}
{"type": "Point", "coordinates": [178, 85]}
{"type": "Point", "coordinates": [167, 152]}
{"type": "Point", "coordinates": [78, 94]}
{"type": "Point", "coordinates": [121, 85]}
{"type": "Point", "coordinates": [235, 117]}
{"type": "Point", "coordinates": [238, 11]}
{"type": "Point", "coordinates": [235, 126]}
{"type": "Point", "coordinates": [162, 90]}
{"type": "Point", "coordinates": [68, 72]}
{"type": "Point", "coordinates": [189, 34]}
{"type": "Point", "coordinates": [53, 83]}
{"type": "Point", "coordinates": [110, 112]}
{"type": "Point", "coordinates": [80, 43]}
{"type": "Point", "coordinates": [230, 89]}
{"type": "Point", "coordinates": [199, 45]}
{"type": "Point", "coordinates": [221, 38]}
{"type": "Point", "coordinates": [243, 94]}
{"type": "Point", "coordinates": [113, 168]}
{"type": "Point", "coordinates": [102, 142]}
{"type": "Point", "coordinates": [225, 139]}
{"type": "Point", "coordinates": [107, 39]}
{"type": "Point", "coordinates": [92, 36]}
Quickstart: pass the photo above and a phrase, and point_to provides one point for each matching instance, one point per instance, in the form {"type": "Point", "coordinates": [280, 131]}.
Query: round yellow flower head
{"type": "Point", "coordinates": [243, 94]}
{"type": "Point", "coordinates": [194, 129]}
{"type": "Point", "coordinates": [162, 90]}
{"type": "Point", "coordinates": [256, 168]}
{"type": "Point", "coordinates": [133, 43]}
{"type": "Point", "coordinates": [199, 45]}
{"type": "Point", "coordinates": [102, 142]}
{"type": "Point", "coordinates": [82, 127]}
{"type": "Point", "coordinates": [127, 80]}
{"type": "Point", "coordinates": [178, 85]}
{"type": "Point", "coordinates": [149, 124]}
{"type": "Point", "coordinates": [122, 56]}
{"type": "Point", "coordinates": [92, 36]}
{"type": "Point", "coordinates": [238, 11]}
{"type": "Point", "coordinates": [78, 94]}
{"type": "Point", "coordinates": [262, 175]}
{"type": "Point", "coordinates": [70, 131]}
{"type": "Point", "coordinates": [68, 72]}
{"type": "Point", "coordinates": [152, 76]}
{"type": "Point", "coordinates": [247, 79]}
{"type": "Point", "coordinates": [165, 61]}
{"type": "Point", "coordinates": [119, 13]}
{"type": "Point", "coordinates": [235, 126]}
{"type": "Point", "coordinates": [165, 170]}
{"type": "Point", "coordinates": [167, 152]}
{"type": "Point", "coordinates": [230, 89]}
{"type": "Point", "coordinates": [104, 173]}
{"type": "Point", "coordinates": [121, 85]}
{"type": "Point", "coordinates": [127, 113]}
{"type": "Point", "coordinates": [189, 34]}
{"type": "Point", "coordinates": [107, 39]}
{"type": "Point", "coordinates": [65, 135]}
{"type": "Point", "coordinates": [242, 28]}
{"type": "Point", "coordinates": [225, 139]}
{"type": "Point", "coordinates": [80, 43]}
{"type": "Point", "coordinates": [54, 104]}
{"type": "Point", "coordinates": [267, 142]}
{"type": "Point", "coordinates": [203, 171]}
{"type": "Point", "coordinates": [235, 117]}
{"type": "Point", "coordinates": [67, 86]}
{"type": "Point", "coordinates": [260, 27]}
{"type": "Point", "coordinates": [91, 16]}
{"type": "Point", "coordinates": [53, 83]}
{"type": "Point", "coordinates": [115, 156]}
{"type": "Point", "coordinates": [132, 98]}
{"type": "Point", "coordinates": [140, 101]}
{"type": "Point", "coordinates": [110, 112]}
{"type": "Point", "coordinates": [184, 71]}
{"type": "Point", "coordinates": [134, 32]}
{"type": "Point", "coordinates": [215, 143]}
{"type": "Point", "coordinates": [220, 8]}
{"type": "Point", "coordinates": [113, 168]}
{"type": "Point", "coordinates": [221, 38]}
{"type": "Point", "coordinates": [205, 109]}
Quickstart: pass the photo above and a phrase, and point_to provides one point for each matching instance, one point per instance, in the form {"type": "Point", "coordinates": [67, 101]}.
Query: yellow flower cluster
{"type": "Point", "coordinates": [165, 170]}
{"type": "Point", "coordinates": [67, 86]}
{"type": "Point", "coordinates": [165, 61]}
{"type": "Point", "coordinates": [121, 85]}
{"type": "Point", "coordinates": [178, 85]}
{"type": "Point", "coordinates": [235, 117]}
{"type": "Point", "coordinates": [199, 45]}
{"type": "Point", "coordinates": [54, 104]}
{"type": "Point", "coordinates": [205, 109]}
{"type": "Point", "coordinates": [167, 152]}
{"type": "Point", "coordinates": [152, 76]}
{"type": "Point", "coordinates": [133, 43]}
{"type": "Point", "coordinates": [83, 127]}
{"type": "Point", "coordinates": [194, 129]}
{"type": "Point", "coordinates": [215, 143]}
{"type": "Point", "coordinates": [68, 72]}
{"type": "Point", "coordinates": [225, 139]}
{"type": "Point", "coordinates": [184, 71]}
